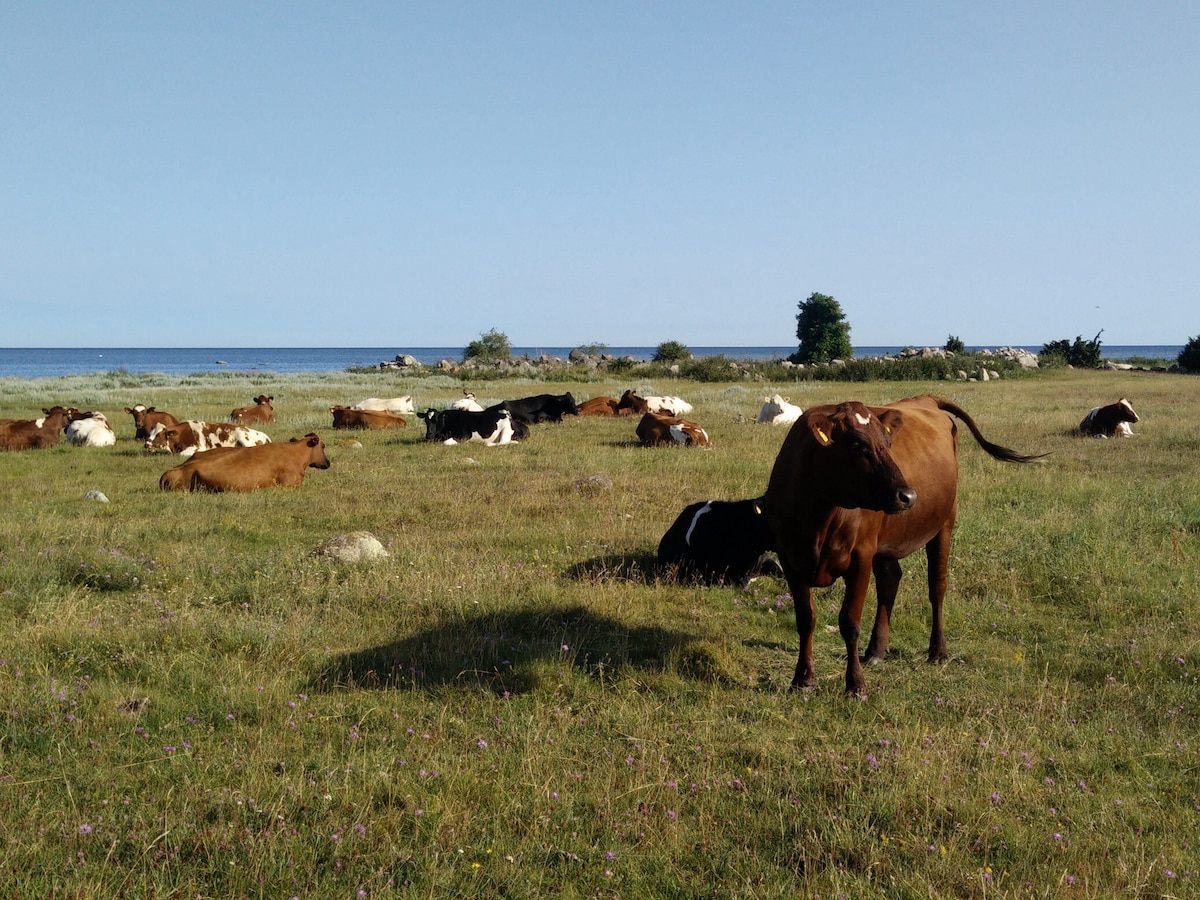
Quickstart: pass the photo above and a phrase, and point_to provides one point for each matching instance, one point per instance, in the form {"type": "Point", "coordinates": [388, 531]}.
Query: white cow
{"type": "Point", "coordinates": [777, 411]}
{"type": "Point", "coordinates": [397, 405]}
{"type": "Point", "coordinates": [671, 406]}
{"type": "Point", "coordinates": [468, 403]}
{"type": "Point", "coordinates": [91, 430]}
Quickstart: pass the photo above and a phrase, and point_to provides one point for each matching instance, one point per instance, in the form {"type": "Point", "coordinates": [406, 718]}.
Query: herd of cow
{"type": "Point", "coordinates": [853, 490]}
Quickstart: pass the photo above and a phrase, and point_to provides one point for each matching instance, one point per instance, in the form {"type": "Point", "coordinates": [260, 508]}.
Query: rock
{"type": "Point", "coordinates": [357, 546]}
{"type": "Point", "coordinates": [98, 496]}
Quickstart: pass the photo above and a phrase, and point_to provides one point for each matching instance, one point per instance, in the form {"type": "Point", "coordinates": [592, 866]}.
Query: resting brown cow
{"type": "Point", "coordinates": [36, 434]}
{"type": "Point", "coordinates": [854, 490]}
{"type": "Point", "coordinates": [656, 430]}
{"type": "Point", "coordinates": [259, 413]}
{"type": "Point", "coordinates": [345, 417]}
{"type": "Point", "coordinates": [146, 417]}
{"type": "Point", "coordinates": [248, 468]}
{"type": "Point", "coordinates": [603, 406]}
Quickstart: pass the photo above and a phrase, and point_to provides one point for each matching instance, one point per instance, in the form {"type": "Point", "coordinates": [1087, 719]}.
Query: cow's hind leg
{"type": "Point", "coordinates": [806, 615]}
{"type": "Point", "coordinates": [887, 583]}
{"type": "Point", "coordinates": [937, 551]}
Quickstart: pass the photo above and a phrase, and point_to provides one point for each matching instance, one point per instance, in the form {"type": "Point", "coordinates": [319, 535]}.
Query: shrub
{"type": "Point", "coordinates": [492, 345]}
{"type": "Point", "coordinates": [1081, 354]}
{"type": "Point", "coordinates": [954, 345]}
{"type": "Point", "coordinates": [671, 351]}
{"type": "Point", "coordinates": [1189, 356]}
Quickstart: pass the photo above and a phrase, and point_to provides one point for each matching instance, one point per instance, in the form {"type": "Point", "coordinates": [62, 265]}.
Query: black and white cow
{"type": "Point", "coordinates": [542, 408]}
{"type": "Point", "coordinates": [719, 540]}
{"type": "Point", "coordinates": [1109, 421]}
{"type": "Point", "coordinates": [492, 427]}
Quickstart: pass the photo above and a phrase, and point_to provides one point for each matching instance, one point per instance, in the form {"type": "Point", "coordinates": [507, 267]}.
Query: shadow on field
{"type": "Point", "coordinates": [638, 567]}
{"type": "Point", "coordinates": [503, 652]}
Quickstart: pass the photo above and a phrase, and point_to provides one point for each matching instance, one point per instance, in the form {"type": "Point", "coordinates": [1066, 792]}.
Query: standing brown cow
{"type": "Point", "coordinates": [854, 490]}
{"type": "Point", "coordinates": [248, 468]}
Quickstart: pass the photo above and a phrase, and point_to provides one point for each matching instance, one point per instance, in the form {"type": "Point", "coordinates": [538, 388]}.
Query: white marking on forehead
{"type": "Point", "coordinates": [1129, 406]}
{"type": "Point", "coordinates": [862, 420]}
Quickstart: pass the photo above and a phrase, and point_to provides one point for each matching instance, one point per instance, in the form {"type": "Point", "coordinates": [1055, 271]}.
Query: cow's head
{"type": "Point", "coordinates": [316, 450]}
{"type": "Point", "coordinates": [263, 400]}
{"type": "Point", "coordinates": [856, 466]}
{"type": "Point", "coordinates": [1125, 411]}
{"type": "Point", "coordinates": [433, 423]}
{"type": "Point", "coordinates": [161, 438]}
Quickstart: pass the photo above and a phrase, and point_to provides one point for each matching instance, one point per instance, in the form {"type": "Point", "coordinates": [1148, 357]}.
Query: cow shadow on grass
{"type": "Point", "coordinates": [503, 652]}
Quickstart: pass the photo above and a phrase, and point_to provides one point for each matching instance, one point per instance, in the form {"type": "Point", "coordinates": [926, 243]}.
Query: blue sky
{"type": "Point", "coordinates": [414, 174]}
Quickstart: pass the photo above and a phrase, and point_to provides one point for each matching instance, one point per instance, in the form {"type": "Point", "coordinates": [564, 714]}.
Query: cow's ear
{"type": "Point", "coordinates": [891, 420]}
{"type": "Point", "coordinates": [822, 428]}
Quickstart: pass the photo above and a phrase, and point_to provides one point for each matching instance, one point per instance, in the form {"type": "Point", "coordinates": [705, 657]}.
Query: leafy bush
{"type": "Point", "coordinates": [671, 351]}
{"type": "Point", "coordinates": [711, 369]}
{"type": "Point", "coordinates": [954, 345]}
{"type": "Point", "coordinates": [492, 345]}
{"type": "Point", "coordinates": [1189, 356]}
{"type": "Point", "coordinates": [1081, 354]}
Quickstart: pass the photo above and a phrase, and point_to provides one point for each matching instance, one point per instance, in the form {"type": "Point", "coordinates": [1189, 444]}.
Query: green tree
{"type": "Point", "coordinates": [954, 345]}
{"type": "Point", "coordinates": [671, 351]}
{"type": "Point", "coordinates": [492, 345]}
{"type": "Point", "coordinates": [823, 331]}
{"type": "Point", "coordinates": [1189, 356]}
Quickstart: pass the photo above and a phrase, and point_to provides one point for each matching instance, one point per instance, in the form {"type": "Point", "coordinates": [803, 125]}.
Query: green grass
{"type": "Point", "coordinates": [514, 705]}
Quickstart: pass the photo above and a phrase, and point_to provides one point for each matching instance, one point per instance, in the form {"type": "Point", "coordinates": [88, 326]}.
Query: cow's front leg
{"type": "Point", "coordinates": [858, 579]}
{"type": "Point", "coordinates": [887, 583]}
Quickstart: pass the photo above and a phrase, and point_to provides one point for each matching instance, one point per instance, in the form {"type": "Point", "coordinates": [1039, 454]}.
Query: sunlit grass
{"type": "Point", "coordinates": [513, 704]}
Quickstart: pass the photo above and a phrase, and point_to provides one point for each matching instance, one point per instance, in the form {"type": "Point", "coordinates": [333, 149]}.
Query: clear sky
{"type": "Point", "coordinates": [627, 173]}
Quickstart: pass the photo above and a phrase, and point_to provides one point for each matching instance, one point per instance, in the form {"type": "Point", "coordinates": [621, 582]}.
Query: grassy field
{"type": "Point", "coordinates": [514, 704]}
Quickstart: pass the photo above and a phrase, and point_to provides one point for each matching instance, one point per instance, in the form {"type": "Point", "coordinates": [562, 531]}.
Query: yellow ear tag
{"type": "Point", "coordinates": [823, 436]}
{"type": "Point", "coordinates": [757, 510]}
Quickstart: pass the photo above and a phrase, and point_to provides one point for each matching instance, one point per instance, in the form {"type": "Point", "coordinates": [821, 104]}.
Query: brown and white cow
{"type": "Point", "coordinates": [1109, 421]}
{"type": "Point", "coordinates": [671, 406]}
{"type": "Point", "coordinates": [248, 468]}
{"type": "Point", "coordinates": [146, 417]}
{"type": "Point", "coordinates": [657, 430]}
{"type": "Point", "coordinates": [193, 436]}
{"type": "Point", "coordinates": [854, 490]}
{"type": "Point", "coordinates": [261, 412]}
{"type": "Point", "coordinates": [36, 434]}
{"type": "Point", "coordinates": [91, 429]}
{"type": "Point", "coordinates": [346, 417]}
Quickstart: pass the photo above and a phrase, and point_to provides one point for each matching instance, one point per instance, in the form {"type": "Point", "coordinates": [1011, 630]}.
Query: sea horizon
{"type": "Point", "coordinates": [50, 362]}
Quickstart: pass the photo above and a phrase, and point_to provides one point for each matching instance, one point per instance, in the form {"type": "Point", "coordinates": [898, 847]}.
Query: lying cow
{"type": "Point", "coordinates": [493, 427]}
{"type": "Point", "coordinates": [248, 468]}
{"type": "Point", "coordinates": [191, 437]}
{"type": "Point", "coordinates": [602, 406]}
{"type": "Point", "coordinates": [1109, 421]}
{"type": "Point", "coordinates": [671, 406]}
{"type": "Point", "coordinates": [36, 434]}
{"type": "Point", "coordinates": [146, 417]}
{"type": "Point", "coordinates": [854, 490]}
{"type": "Point", "coordinates": [344, 417]}
{"type": "Point", "coordinates": [776, 410]}
{"type": "Point", "coordinates": [397, 405]}
{"type": "Point", "coordinates": [91, 429]}
{"type": "Point", "coordinates": [719, 541]}
{"type": "Point", "coordinates": [542, 408]}
{"type": "Point", "coordinates": [260, 412]}
{"type": "Point", "coordinates": [468, 403]}
{"type": "Point", "coordinates": [657, 430]}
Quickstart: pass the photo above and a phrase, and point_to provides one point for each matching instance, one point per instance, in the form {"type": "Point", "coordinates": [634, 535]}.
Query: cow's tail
{"type": "Point", "coordinates": [993, 450]}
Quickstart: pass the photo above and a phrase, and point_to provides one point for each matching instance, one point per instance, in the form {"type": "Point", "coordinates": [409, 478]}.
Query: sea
{"type": "Point", "coordinates": [52, 362]}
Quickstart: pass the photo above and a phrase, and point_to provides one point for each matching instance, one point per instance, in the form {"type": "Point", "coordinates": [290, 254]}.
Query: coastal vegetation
{"type": "Point", "coordinates": [515, 703]}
